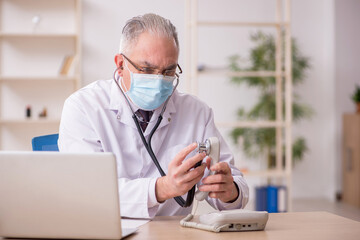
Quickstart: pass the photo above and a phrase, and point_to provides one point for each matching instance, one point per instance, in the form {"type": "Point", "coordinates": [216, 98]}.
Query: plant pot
{"type": "Point", "coordinates": [358, 107]}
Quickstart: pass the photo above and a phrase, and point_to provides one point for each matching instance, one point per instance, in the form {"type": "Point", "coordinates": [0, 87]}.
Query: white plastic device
{"type": "Point", "coordinates": [212, 149]}
{"type": "Point", "coordinates": [237, 220]}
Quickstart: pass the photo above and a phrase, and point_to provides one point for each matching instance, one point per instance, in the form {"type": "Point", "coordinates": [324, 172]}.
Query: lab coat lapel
{"type": "Point", "coordinates": [160, 134]}
{"type": "Point", "coordinates": [119, 105]}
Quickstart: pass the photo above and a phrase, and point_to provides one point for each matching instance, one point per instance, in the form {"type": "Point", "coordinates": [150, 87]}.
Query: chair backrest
{"type": "Point", "coordinates": [45, 143]}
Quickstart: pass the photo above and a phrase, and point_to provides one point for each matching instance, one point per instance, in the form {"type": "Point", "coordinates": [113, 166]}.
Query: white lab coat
{"type": "Point", "coordinates": [97, 118]}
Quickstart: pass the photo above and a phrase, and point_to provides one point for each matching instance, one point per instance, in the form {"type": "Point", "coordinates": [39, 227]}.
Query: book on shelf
{"type": "Point", "coordinates": [68, 65]}
{"type": "Point", "coordinates": [271, 198]}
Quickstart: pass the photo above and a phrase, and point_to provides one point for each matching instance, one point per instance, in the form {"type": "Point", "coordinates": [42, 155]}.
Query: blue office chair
{"type": "Point", "coordinates": [45, 143]}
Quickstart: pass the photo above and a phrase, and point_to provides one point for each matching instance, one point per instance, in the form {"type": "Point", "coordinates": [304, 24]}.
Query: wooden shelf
{"type": "Point", "coordinates": [29, 121]}
{"type": "Point", "coordinates": [18, 79]}
{"type": "Point", "coordinates": [242, 24]}
{"type": "Point", "coordinates": [267, 173]}
{"type": "Point", "coordinates": [37, 35]}
{"type": "Point", "coordinates": [229, 73]}
{"type": "Point", "coordinates": [251, 124]}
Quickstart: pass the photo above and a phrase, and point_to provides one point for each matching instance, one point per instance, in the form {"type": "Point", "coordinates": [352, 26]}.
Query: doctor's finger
{"type": "Point", "coordinates": [183, 153]}
{"type": "Point", "coordinates": [218, 178]}
{"type": "Point", "coordinates": [194, 174]}
{"type": "Point", "coordinates": [208, 162]}
{"type": "Point", "coordinates": [190, 163]}
{"type": "Point", "coordinates": [184, 185]}
{"type": "Point", "coordinates": [220, 187]}
{"type": "Point", "coordinates": [194, 181]}
{"type": "Point", "coordinates": [222, 167]}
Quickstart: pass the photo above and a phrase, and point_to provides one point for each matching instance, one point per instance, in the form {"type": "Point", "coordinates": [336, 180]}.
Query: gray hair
{"type": "Point", "coordinates": [151, 23]}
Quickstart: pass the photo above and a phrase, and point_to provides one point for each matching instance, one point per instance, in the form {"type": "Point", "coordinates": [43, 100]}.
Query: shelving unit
{"type": "Point", "coordinates": [32, 50]}
{"type": "Point", "coordinates": [282, 124]}
{"type": "Point", "coordinates": [39, 79]}
{"type": "Point", "coordinates": [39, 35]}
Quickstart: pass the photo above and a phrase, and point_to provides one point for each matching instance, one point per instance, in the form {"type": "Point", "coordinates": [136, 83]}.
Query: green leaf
{"type": "Point", "coordinates": [259, 142]}
{"type": "Point", "coordinates": [356, 95]}
{"type": "Point", "coordinates": [299, 148]}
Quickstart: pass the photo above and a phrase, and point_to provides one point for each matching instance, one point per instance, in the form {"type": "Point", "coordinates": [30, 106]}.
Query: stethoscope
{"type": "Point", "coordinates": [147, 144]}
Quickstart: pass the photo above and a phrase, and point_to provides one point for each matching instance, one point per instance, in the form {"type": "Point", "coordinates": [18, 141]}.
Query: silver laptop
{"type": "Point", "coordinates": [59, 195]}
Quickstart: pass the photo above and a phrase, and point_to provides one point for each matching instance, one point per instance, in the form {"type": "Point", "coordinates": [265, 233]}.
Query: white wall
{"type": "Point", "coordinates": [102, 25]}
{"type": "Point", "coordinates": [347, 58]}
{"type": "Point", "coordinates": [313, 25]}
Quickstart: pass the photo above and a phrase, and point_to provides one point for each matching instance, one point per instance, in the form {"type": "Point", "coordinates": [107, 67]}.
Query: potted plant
{"type": "Point", "coordinates": [262, 141]}
{"type": "Point", "coordinates": [356, 98]}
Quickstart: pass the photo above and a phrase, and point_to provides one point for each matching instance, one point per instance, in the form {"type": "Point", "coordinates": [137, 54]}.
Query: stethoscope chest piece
{"type": "Point", "coordinates": [204, 147]}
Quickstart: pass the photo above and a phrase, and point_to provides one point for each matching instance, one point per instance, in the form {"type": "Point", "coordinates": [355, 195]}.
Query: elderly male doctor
{"type": "Point", "coordinates": [99, 118]}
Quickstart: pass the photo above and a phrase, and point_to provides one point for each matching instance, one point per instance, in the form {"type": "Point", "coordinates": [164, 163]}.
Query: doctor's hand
{"type": "Point", "coordinates": [181, 176]}
{"type": "Point", "coordinates": [220, 185]}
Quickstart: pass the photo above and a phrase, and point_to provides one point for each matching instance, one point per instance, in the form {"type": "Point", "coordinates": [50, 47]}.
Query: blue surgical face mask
{"type": "Point", "coordinates": [149, 91]}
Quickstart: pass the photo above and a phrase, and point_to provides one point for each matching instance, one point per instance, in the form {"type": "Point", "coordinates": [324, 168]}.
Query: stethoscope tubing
{"type": "Point", "coordinates": [147, 144]}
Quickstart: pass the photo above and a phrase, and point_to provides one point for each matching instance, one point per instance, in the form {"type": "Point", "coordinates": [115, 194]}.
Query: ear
{"type": "Point", "coordinates": [119, 61]}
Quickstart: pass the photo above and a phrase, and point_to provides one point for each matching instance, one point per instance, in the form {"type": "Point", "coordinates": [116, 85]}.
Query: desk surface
{"type": "Point", "coordinates": [300, 225]}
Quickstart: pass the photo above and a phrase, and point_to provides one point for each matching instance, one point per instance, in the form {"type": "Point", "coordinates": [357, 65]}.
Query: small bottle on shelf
{"type": "Point", "coordinates": [28, 111]}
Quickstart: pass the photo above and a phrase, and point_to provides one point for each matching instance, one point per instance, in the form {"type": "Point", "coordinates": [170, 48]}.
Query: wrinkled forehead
{"type": "Point", "coordinates": [151, 38]}
{"type": "Point", "coordinates": [154, 49]}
